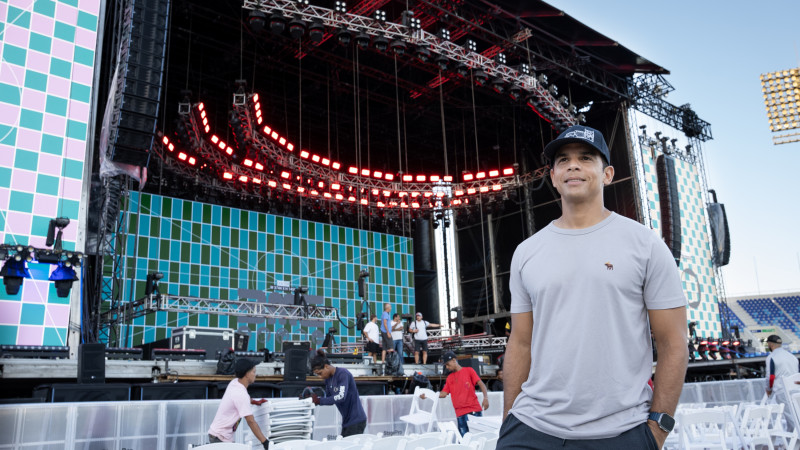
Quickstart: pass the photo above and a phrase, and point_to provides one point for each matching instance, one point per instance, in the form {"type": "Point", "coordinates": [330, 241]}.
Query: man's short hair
{"type": "Point", "coordinates": [243, 366]}
{"type": "Point", "coordinates": [373, 317]}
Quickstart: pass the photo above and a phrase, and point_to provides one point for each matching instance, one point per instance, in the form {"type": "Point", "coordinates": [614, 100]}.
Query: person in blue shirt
{"type": "Point", "coordinates": [386, 331]}
{"type": "Point", "coordinates": [340, 390]}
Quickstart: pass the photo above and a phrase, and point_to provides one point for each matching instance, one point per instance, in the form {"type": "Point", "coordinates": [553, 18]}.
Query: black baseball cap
{"type": "Point", "coordinates": [775, 339]}
{"type": "Point", "coordinates": [447, 356]}
{"type": "Point", "coordinates": [581, 134]}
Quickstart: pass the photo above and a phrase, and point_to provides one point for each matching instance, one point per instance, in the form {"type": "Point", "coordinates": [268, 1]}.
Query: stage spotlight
{"type": "Point", "coordinates": [316, 32]}
{"type": "Point", "coordinates": [344, 36]}
{"type": "Point", "coordinates": [500, 58]}
{"type": "Point", "coordinates": [59, 223]}
{"type": "Point", "coordinates": [380, 16]}
{"type": "Point", "coordinates": [257, 20]}
{"type": "Point", "coordinates": [462, 70]}
{"type": "Point", "coordinates": [63, 277]}
{"type": "Point", "coordinates": [525, 69]}
{"type": "Point", "coordinates": [362, 282]}
{"type": "Point", "coordinates": [442, 61]}
{"type": "Point", "coordinates": [444, 33]}
{"type": "Point", "coordinates": [362, 40]}
{"type": "Point", "coordinates": [13, 271]}
{"type": "Point", "coordinates": [277, 23]}
{"type": "Point", "coordinates": [553, 90]}
{"type": "Point", "coordinates": [581, 118]}
{"type": "Point", "coordinates": [301, 2]}
{"type": "Point", "coordinates": [471, 45]}
{"type": "Point", "coordinates": [381, 43]}
{"type": "Point", "coordinates": [340, 7]}
{"type": "Point", "coordinates": [499, 85]}
{"type": "Point", "coordinates": [713, 348]}
{"type": "Point", "coordinates": [702, 348]}
{"type": "Point", "coordinates": [563, 100]}
{"type": "Point", "coordinates": [480, 77]}
{"type": "Point", "coordinates": [151, 283]}
{"type": "Point", "coordinates": [398, 47]}
{"type": "Point", "coordinates": [423, 54]}
{"type": "Point", "coordinates": [515, 92]}
{"type": "Point", "coordinates": [542, 79]}
{"type": "Point", "coordinates": [408, 19]}
{"type": "Point", "coordinates": [297, 28]}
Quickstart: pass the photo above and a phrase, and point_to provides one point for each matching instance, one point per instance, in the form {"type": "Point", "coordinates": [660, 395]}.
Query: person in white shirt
{"type": "Point", "coordinates": [397, 337]}
{"type": "Point", "coordinates": [372, 334]}
{"type": "Point", "coordinates": [780, 363]}
{"type": "Point", "coordinates": [420, 331]}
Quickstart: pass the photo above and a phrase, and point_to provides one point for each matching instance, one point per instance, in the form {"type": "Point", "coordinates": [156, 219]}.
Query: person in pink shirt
{"type": "Point", "coordinates": [236, 405]}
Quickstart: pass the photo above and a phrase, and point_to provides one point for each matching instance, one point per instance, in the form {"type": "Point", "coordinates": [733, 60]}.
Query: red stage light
{"type": "Point", "coordinates": [321, 185]}
{"type": "Point", "coordinates": [165, 140]}
{"type": "Point", "coordinates": [456, 202]}
{"type": "Point", "coordinates": [314, 192]}
{"type": "Point", "coordinates": [375, 192]}
{"type": "Point", "coordinates": [508, 171]}
{"type": "Point", "coordinates": [480, 175]}
{"type": "Point", "coordinates": [326, 162]}
{"type": "Point", "coordinates": [414, 205]}
{"type": "Point", "coordinates": [459, 193]}
{"type": "Point", "coordinates": [420, 178]}
{"type": "Point", "coordinates": [389, 177]}
{"type": "Point", "coordinates": [301, 189]}
{"type": "Point", "coordinates": [484, 188]}
{"type": "Point", "coordinates": [335, 186]}
{"type": "Point", "coordinates": [255, 97]}
{"type": "Point", "coordinates": [494, 173]}
{"type": "Point", "coordinates": [285, 174]}
{"type": "Point", "coordinates": [259, 120]}
{"type": "Point", "coordinates": [287, 186]}
{"type": "Point", "coordinates": [304, 154]}
{"type": "Point", "coordinates": [365, 172]}
{"type": "Point", "coordinates": [274, 135]}
{"type": "Point", "coordinates": [336, 165]}
{"type": "Point", "coordinates": [387, 193]}
{"type": "Point", "coordinates": [171, 147]}
{"type": "Point", "coordinates": [352, 170]}
{"type": "Point", "coordinates": [377, 174]}
{"type": "Point", "coordinates": [339, 196]}
{"type": "Point", "coordinates": [282, 141]}
{"type": "Point", "coordinates": [381, 205]}
{"type": "Point", "coordinates": [402, 194]}
{"type": "Point", "coordinates": [364, 201]}
{"type": "Point", "coordinates": [205, 121]}
{"type": "Point", "coordinates": [200, 106]}
{"type": "Point", "coordinates": [182, 156]}
{"type": "Point", "coordinates": [192, 161]}
{"type": "Point", "coordinates": [259, 166]}
{"type": "Point", "coordinates": [267, 130]}
{"type": "Point", "coordinates": [290, 146]}
{"type": "Point", "coordinates": [497, 187]}
{"type": "Point", "coordinates": [468, 177]}
{"type": "Point", "coordinates": [221, 145]}
{"type": "Point", "coordinates": [248, 162]}
{"type": "Point", "coordinates": [427, 195]}
{"type": "Point", "coordinates": [434, 178]}
{"type": "Point", "coordinates": [315, 158]}
{"type": "Point", "coordinates": [408, 178]}
{"type": "Point", "coordinates": [243, 178]}
{"type": "Point", "coordinates": [403, 205]}
{"type": "Point", "coordinates": [327, 194]}
{"type": "Point", "coordinates": [351, 199]}
{"type": "Point", "coordinates": [258, 113]}
{"type": "Point", "coordinates": [448, 178]}
{"type": "Point", "coordinates": [227, 176]}
{"type": "Point", "coordinates": [257, 180]}
{"type": "Point", "coordinates": [207, 128]}
{"type": "Point", "coordinates": [272, 184]}
{"type": "Point", "coordinates": [470, 191]}
{"type": "Point", "coordinates": [440, 194]}
{"type": "Point", "coordinates": [214, 138]}
{"type": "Point", "coordinates": [414, 194]}
{"type": "Point", "coordinates": [202, 114]}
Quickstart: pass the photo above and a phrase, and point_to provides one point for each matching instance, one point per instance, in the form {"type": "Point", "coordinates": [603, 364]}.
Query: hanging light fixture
{"type": "Point", "coordinates": [13, 271]}
{"type": "Point", "coordinates": [63, 277]}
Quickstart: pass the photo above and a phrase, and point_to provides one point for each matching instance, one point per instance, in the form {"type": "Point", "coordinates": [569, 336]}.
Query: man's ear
{"type": "Point", "coordinates": [608, 175]}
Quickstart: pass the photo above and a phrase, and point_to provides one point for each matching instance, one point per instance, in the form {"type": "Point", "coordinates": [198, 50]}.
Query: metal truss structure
{"type": "Point", "coordinates": [174, 303]}
{"type": "Point", "coordinates": [536, 94]}
{"type": "Point", "coordinates": [647, 92]}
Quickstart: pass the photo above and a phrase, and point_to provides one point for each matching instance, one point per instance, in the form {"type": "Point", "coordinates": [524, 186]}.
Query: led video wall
{"type": "Point", "coordinates": [211, 251]}
{"type": "Point", "coordinates": [46, 74]}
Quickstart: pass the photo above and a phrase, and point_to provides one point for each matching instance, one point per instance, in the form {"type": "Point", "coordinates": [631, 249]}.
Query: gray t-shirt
{"type": "Point", "coordinates": [591, 355]}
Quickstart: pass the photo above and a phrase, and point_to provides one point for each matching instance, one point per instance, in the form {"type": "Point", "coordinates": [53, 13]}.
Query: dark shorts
{"type": "Point", "coordinates": [515, 435]}
{"type": "Point", "coordinates": [356, 428]}
{"type": "Point", "coordinates": [373, 347]}
{"type": "Point", "coordinates": [420, 345]}
{"type": "Point", "coordinates": [387, 341]}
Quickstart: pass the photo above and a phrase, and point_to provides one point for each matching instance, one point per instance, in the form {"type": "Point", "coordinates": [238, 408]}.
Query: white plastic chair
{"type": "Point", "coordinates": [418, 416]}
{"type": "Point", "coordinates": [776, 429]}
{"type": "Point", "coordinates": [490, 444]}
{"type": "Point", "coordinates": [791, 410]}
{"type": "Point", "coordinates": [334, 445]}
{"type": "Point", "coordinates": [390, 443]}
{"type": "Point", "coordinates": [426, 442]}
{"type": "Point", "coordinates": [704, 429]}
{"type": "Point", "coordinates": [298, 444]}
{"type": "Point", "coordinates": [220, 446]}
{"type": "Point", "coordinates": [754, 427]}
{"type": "Point", "coordinates": [360, 438]}
{"type": "Point", "coordinates": [451, 428]}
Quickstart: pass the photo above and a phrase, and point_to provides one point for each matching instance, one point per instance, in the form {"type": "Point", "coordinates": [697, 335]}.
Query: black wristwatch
{"type": "Point", "coordinates": [664, 421]}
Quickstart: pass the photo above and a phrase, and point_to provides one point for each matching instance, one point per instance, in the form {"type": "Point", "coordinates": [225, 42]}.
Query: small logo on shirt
{"type": "Point", "coordinates": [609, 266]}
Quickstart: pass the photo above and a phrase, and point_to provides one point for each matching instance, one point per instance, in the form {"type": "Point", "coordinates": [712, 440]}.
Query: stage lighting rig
{"type": "Point", "coordinates": [380, 16]}
{"type": "Point", "coordinates": [515, 92]}
{"type": "Point", "coordinates": [362, 282]}
{"type": "Point", "coordinates": [297, 28]}
{"type": "Point", "coordinates": [524, 69]}
{"type": "Point", "coordinates": [340, 6]}
{"type": "Point", "coordinates": [498, 85]}
{"type": "Point", "coordinates": [542, 79]}
{"type": "Point", "coordinates": [13, 271]}
{"type": "Point", "coordinates": [442, 61]}
{"type": "Point", "coordinates": [553, 90]}
{"type": "Point", "coordinates": [500, 58]}
{"type": "Point", "coordinates": [398, 47]}
{"type": "Point", "coordinates": [63, 277]}
{"type": "Point", "coordinates": [277, 23]}
{"type": "Point", "coordinates": [423, 54]}
{"type": "Point", "coordinates": [471, 46]}
{"type": "Point", "coordinates": [381, 44]}
{"type": "Point", "coordinates": [257, 20]}
{"type": "Point", "coordinates": [444, 33]}
{"type": "Point", "coordinates": [316, 31]}
{"type": "Point", "coordinates": [462, 70]}
{"type": "Point", "coordinates": [480, 77]}
{"type": "Point", "coordinates": [151, 283]}
{"type": "Point", "coordinates": [408, 19]}
{"type": "Point", "coordinates": [344, 36]}
{"type": "Point", "coordinates": [362, 40]}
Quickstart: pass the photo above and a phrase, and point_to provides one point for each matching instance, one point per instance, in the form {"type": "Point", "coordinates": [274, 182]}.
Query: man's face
{"type": "Point", "coordinates": [387, 307]}
{"type": "Point", "coordinates": [325, 372]}
{"type": "Point", "coordinates": [578, 174]}
{"type": "Point", "coordinates": [500, 375]}
{"type": "Point", "coordinates": [451, 365]}
{"type": "Point", "coordinates": [251, 376]}
{"type": "Point", "coordinates": [419, 316]}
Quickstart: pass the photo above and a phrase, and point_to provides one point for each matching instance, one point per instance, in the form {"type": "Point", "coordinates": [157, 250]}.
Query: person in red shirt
{"type": "Point", "coordinates": [461, 384]}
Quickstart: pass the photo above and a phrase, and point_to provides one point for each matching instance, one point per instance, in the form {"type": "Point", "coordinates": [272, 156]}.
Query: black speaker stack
{"type": "Point", "coordinates": [139, 76]}
{"type": "Point", "coordinates": [295, 365]}
{"type": "Point", "coordinates": [92, 363]}
{"type": "Point", "coordinates": [670, 205]}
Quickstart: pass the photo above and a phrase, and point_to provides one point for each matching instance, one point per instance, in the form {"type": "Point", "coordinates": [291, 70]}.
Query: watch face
{"type": "Point", "coordinates": [666, 422]}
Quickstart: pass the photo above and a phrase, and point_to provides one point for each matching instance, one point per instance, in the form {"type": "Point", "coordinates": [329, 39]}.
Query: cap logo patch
{"type": "Point", "coordinates": [581, 134]}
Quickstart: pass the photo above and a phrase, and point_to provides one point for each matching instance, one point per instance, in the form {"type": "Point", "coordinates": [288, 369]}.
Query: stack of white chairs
{"type": "Point", "coordinates": [777, 430]}
{"type": "Point", "coordinates": [704, 429]}
{"type": "Point", "coordinates": [451, 428]}
{"type": "Point", "coordinates": [419, 416]}
{"type": "Point", "coordinates": [290, 420]}
{"type": "Point", "coordinates": [754, 427]}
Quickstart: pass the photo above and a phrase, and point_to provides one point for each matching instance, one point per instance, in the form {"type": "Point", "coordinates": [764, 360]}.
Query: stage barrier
{"type": "Point", "coordinates": [173, 424]}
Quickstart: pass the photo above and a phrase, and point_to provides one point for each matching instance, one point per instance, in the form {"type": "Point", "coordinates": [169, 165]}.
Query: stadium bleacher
{"type": "Point", "coordinates": [767, 313]}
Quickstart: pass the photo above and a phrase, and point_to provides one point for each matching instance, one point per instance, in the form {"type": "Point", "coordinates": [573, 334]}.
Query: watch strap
{"type": "Point", "coordinates": [657, 416]}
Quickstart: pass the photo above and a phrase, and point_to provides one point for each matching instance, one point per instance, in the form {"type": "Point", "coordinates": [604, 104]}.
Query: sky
{"type": "Point", "coordinates": [715, 51]}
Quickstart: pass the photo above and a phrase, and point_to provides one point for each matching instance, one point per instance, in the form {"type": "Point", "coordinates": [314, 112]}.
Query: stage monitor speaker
{"type": "Point", "coordinates": [138, 83]}
{"type": "Point", "coordinates": [171, 391]}
{"type": "Point", "coordinates": [670, 205]}
{"type": "Point", "coordinates": [84, 392]}
{"type": "Point", "coordinates": [92, 363]}
{"type": "Point", "coordinates": [295, 366]}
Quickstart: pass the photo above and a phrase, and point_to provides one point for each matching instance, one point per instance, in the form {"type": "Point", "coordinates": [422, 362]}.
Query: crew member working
{"type": "Point", "coordinates": [235, 405]}
{"type": "Point", "coordinates": [340, 390]}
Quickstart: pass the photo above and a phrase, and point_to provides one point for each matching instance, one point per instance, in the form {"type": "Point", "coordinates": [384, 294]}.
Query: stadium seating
{"type": "Point", "coordinates": [733, 319]}
{"type": "Point", "coordinates": [767, 313]}
{"type": "Point", "coordinates": [791, 305]}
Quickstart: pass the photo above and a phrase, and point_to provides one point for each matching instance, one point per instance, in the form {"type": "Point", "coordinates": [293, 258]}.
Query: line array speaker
{"type": "Point", "coordinates": [670, 205]}
{"type": "Point", "coordinates": [92, 363]}
{"type": "Point", "coordinates": [139, 76]}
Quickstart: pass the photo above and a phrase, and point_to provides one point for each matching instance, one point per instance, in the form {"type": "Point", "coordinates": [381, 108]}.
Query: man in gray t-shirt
{"type": "Point", "coordinates": [594, 284]}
